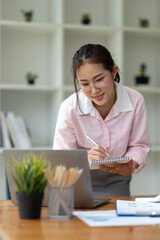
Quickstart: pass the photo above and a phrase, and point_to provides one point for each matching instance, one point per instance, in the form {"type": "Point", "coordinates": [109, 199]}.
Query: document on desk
{"type": "Point", "coordinates": [108, 218]}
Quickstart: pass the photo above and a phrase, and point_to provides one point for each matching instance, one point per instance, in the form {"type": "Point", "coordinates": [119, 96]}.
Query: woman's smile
{"type": "Point", "coordinates": [99, 97]}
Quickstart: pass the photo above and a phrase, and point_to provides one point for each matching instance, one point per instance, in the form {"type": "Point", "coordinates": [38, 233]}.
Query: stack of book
{"type": "Point", "coordinates": [13, 131]}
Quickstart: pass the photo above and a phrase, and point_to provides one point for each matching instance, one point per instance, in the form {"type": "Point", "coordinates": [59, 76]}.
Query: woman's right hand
{"type": "Point", "coordinates": [97, 153]}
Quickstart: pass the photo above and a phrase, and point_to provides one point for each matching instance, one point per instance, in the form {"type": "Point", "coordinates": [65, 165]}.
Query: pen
{"type": "Point", "coordinates": [149, 213]}
{"type": "Point", "coordinates": [92, 141]}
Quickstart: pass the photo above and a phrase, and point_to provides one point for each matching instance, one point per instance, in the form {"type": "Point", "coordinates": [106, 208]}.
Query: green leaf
{"type": "Point", "coordinates": [27, 172]}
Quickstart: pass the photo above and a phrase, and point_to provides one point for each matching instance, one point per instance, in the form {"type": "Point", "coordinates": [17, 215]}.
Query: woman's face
{"type": "Point", "coordinates": [97, 83]}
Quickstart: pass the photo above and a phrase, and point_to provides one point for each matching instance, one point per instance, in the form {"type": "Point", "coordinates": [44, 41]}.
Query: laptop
{"type": "Point", "coordinates": [83, 197]}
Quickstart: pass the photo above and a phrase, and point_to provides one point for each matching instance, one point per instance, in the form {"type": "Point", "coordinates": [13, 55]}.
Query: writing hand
{"type": "Point", "coordinates": [97, 153]}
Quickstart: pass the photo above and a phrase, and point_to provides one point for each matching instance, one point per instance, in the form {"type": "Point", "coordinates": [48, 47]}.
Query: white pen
{"type": "Point", "coordinates": [92, 141]}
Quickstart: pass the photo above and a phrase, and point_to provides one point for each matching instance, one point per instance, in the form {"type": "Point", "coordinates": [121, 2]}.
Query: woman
{"type": "Point", "coordinates": [113, 115]}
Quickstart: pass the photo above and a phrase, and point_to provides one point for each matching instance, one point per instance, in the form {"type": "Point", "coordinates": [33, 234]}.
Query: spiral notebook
{"type": "Point", "coordinates": [94, 163]}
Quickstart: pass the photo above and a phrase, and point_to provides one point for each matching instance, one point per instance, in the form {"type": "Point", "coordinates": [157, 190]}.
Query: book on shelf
{"type": "Point", "coordinates": [22, 126]}
{"type": "Point", "coordinates": [11, 133]}
{"type": "Point", "coordinates": [5, 138]}
{"type": "Point", "coordinates": [18, 131]}
{"type": "Point", "coordinates": [14, 131]}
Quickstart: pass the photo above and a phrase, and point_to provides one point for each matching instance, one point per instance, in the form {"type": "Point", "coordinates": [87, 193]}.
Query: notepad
{"type": "Point", "coordinates": [134, 208]}
{"type": "Point", "coordinates": [94, 163]}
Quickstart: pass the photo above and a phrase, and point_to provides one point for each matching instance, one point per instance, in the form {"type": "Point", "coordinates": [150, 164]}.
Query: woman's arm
{"type": "Point", "coordinates": [64, 137]}
{"type": "Point", "coordinates": [138, 146]}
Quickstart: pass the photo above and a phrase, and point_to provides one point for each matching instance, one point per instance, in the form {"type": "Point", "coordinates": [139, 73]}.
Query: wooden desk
{"type": "Point", "coordinates": [11, 227]}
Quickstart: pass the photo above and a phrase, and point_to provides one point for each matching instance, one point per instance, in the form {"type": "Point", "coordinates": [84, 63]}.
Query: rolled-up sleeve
{"type": "Point", "coordinates": [64, 137]}
{"type": "Point", "coordinates": [139, 145]}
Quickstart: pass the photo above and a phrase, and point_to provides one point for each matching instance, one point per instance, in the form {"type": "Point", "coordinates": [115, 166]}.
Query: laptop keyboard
{"type": "Point", "coordinates": [100, 200]}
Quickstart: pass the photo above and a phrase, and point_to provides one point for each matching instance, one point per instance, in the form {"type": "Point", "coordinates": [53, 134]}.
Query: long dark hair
{"type": "Point", "coordinates": [92, 53]}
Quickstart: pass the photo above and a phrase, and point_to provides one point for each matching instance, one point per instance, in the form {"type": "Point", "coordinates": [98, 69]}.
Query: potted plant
{"type": "Point", "coordinates": [28, 14]}
{"type": "Point", "coordinates": [30, 180]}
{"type": "Point", "coordinates": [86, 18]}
{"type": "Point", "coordinates": [144, 22]}
{"type": "Point", "coordinates": [142, 78]}
{"type": "Point", "coordinates": [31, 77]}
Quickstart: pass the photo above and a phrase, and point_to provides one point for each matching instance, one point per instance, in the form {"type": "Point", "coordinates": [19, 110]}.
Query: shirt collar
{"type": "Point", "coordinates": [122, 104]}
{"type": "Point", "coordinates": [85, 105]}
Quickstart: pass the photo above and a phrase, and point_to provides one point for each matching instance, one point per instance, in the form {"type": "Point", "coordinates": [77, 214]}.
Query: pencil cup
{"type": "Point", "coordinates": [60, 201]}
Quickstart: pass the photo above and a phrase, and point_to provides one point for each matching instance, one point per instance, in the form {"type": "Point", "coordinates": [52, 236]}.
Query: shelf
{"type": "Point", "coordinates": [34, 147]}
{"type": "Point", "coordinates": [22, 87]}
{"type": "Point", "coordinates": [147, 89]}
{"type": "Point", "coordinates": [28, 26]}
{"type": "Point", "coordinates": [44, 27]}
{"type": "Point", "coordinates": [138, 31]}
{"type": "Point", "coordinates": [91, 28]}
{"type": "Point", "coordinates": [142, 32]}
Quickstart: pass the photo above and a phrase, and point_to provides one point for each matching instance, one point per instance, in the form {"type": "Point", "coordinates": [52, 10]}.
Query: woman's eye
{"type": "Point", "coordinates": [99, 80]}
{"type": "Point", "coordinates": [84, 84]}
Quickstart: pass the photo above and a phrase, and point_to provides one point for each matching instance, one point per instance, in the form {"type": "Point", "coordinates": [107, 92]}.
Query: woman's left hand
{"type": "Point", "coordinates": [125, 169]}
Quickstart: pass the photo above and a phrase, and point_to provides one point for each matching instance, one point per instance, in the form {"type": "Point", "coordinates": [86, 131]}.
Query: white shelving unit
{"type": "Point", "coordinates": [46, 46]}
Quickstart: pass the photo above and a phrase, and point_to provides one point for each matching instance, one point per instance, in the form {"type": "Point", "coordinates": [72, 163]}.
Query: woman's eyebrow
{"type": "Point", "coordinates": [92, 78]}
{"type": "Point", "coordinates": [97, 75]}
{"type": "Point", "coordinates": [81, 80]}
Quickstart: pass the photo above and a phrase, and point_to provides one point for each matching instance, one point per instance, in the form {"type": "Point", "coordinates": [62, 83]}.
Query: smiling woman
{"type": "Point", "coordinates": [99, 88]}
{"type": "Point", "coordinates": [111, 114]}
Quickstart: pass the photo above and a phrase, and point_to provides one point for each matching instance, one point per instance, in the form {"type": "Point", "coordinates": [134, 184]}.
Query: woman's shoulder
{"type": "Point", "coordinates": [70, 102]}
{"type": "Point", "coordinates": [134, 94]}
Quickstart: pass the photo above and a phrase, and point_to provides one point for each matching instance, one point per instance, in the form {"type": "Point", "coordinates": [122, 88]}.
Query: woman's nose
{"type": "Point", "coordinates": [94, 88]}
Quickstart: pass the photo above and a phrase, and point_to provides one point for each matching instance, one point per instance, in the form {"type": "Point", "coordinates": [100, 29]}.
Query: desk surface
{"type": "Point", "coordinates": [11, 227]}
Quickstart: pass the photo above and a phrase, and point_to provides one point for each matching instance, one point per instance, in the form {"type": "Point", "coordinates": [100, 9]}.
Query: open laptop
{"type": "Point", "coordinates": [83, 197]}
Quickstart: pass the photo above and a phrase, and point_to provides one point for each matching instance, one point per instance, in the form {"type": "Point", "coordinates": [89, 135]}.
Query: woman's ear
{"type": "Point", "coordinates": [114, 71]}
